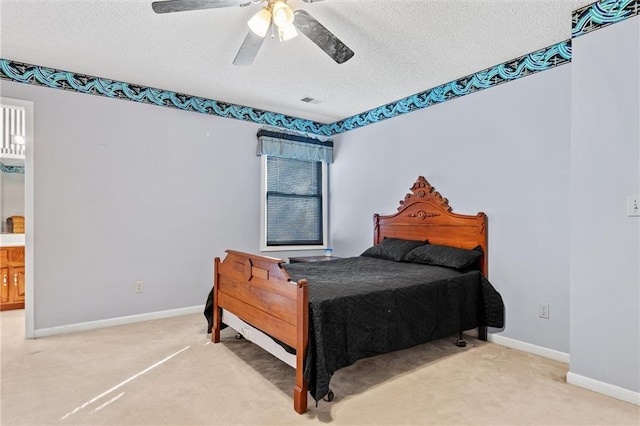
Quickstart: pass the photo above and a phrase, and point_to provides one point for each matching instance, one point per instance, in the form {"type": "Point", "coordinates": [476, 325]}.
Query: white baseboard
{"type": "Point", "coordinates": [110, 322]}
{"type": "Point", "coordinates": [604, 388]}
{"type": "Point", "coordinates": [572, 378]}
{"type": "Point", "coordinates": [528, 347]}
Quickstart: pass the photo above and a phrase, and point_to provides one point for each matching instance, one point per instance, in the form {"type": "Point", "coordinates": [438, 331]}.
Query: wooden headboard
{"type": "Point", "coordinates": [425, 214]}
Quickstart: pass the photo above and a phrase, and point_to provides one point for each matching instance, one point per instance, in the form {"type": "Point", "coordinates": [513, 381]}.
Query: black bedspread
{"type": "Point", "coordinates": [364, 306]}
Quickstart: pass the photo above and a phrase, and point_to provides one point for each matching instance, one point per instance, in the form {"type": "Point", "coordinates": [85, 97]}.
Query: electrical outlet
{"type": "Point", "coordinates": [633, 205]}
{"type": "Point", "coordinates": [543, 311]}
{"type": "Point", "coordinates": [139, 286]}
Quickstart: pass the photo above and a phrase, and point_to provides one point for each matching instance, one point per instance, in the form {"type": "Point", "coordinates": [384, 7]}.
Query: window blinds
{"type": "Point", "coordinates": [294, 187]}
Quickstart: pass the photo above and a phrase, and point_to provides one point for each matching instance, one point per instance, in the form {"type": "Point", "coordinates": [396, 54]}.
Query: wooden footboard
{"type": "Point", "coordinates": [257, 290]}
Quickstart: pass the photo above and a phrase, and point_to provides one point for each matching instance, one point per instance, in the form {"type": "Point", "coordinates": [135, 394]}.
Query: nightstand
{"type": "Point", "coordinates": [307, 259]}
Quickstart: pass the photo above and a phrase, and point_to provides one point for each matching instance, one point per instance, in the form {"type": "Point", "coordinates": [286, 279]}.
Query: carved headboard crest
{"type": "Point", "coordinates": [423, 191]}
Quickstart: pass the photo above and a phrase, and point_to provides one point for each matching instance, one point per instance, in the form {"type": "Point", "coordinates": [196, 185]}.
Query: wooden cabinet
{"type": "Point", "coordinates": [12, 278]}
{"type": "Point", "coordinates": [4, 292]}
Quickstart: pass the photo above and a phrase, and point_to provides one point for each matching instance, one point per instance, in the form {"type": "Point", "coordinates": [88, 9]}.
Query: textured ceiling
{"type": "Point", "coordinates": [401, 47]}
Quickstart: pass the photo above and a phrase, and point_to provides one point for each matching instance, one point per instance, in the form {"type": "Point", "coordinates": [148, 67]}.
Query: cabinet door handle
{"type": "Point", "coordinates": [4, 280]}
{"type": "Point", "coordinates": [15, 279]}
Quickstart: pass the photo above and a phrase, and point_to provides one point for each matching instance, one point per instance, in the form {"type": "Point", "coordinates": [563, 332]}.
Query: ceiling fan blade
{"type": "Point", "coordinates": [169, 6]}
{"type": "Point", "coordinates": [249, 49]}
{"type": "Point", "coordinates": [322, 37]}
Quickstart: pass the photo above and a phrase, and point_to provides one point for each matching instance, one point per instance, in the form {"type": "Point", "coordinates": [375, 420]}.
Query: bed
{"type": "Point", "coordinates": [319, 317]}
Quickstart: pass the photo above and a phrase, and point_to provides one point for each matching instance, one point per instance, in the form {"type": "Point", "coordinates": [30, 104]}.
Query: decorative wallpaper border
{"type": "Point", "coordinates": [11, 169]}
{"type": "Point", "coordinates": [66, 80]}
{"type": "Point", "coordinates": [601, 14]}
{"type": "Point", "coordinates": [584, 20]}
{"type": "Point", "coordinates": [540, 60]}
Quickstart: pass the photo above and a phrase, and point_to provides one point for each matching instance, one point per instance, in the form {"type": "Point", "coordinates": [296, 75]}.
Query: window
{"type": "Point", "coordinates": [294, 203]}
{"type": "Point", "coordinates": [294, 192]}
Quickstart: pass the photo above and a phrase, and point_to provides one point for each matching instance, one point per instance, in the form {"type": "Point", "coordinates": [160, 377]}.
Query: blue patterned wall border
{"type": "Point", "coordinates": [540, 60]}
{"type": "Point", "coordinates": [57, 79]}
{"type": "Point", "coordinates": [11, 169]}
{"type": "Point", "coordinates": [534, 62]}
{"type": "Point", "coordinates": [602, 14]}
{"type": "Point", "coordinates": [586, 19]}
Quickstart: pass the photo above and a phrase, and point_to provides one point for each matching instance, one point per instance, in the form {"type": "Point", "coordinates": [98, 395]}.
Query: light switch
{"type": "Point", "coordinates": [633, 205]}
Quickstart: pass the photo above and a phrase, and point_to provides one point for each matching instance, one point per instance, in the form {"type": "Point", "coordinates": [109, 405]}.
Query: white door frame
{"type": "Point", "coordinates": [29, 311]}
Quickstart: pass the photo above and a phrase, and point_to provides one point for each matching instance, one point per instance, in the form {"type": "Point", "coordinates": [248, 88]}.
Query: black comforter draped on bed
{"type": "Point", "coordinates": [364, 306]}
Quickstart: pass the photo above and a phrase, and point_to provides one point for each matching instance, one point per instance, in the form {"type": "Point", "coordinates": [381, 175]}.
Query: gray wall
{"type": "Point", "coordinates": [504, 151]}
{"type": "Point", "coordinates": [605, 242]}
{"type": "Point", "coordinates": [127, 192]}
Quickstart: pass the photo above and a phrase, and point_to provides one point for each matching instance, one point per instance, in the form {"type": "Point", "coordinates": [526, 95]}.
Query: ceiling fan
{"type": "Point", "coordinates": [276, 16]}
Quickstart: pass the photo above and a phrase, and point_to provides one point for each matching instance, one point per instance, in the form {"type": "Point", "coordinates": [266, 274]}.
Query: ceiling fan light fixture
{"type": "Point", "coordinates": [260, 22]}
{"type": "Point", "coordinates": [282, 14]}
{"type": "Point", "coordinates": [287, 33]}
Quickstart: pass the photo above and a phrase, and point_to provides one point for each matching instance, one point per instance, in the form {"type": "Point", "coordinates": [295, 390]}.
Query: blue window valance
{"type": "Point", "coordinates": [296, 147]}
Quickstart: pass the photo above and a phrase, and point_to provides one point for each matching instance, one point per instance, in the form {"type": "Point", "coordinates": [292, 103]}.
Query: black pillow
{"type": "Point", "coordinates": [451, 257]}
{"type": "Point", "coordinates": [392, 248]}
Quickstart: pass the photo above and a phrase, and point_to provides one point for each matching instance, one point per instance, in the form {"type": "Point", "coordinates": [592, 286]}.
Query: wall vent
{"type": "Point", "coordinates": [310, 100]}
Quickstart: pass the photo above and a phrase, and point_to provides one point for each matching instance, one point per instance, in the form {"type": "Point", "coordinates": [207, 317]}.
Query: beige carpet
{"type": "Point", "coordinates": [166, 372]}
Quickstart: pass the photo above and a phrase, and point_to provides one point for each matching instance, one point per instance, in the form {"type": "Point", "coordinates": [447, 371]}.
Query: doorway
{"type": "Point", "coordinates": [26, 132]}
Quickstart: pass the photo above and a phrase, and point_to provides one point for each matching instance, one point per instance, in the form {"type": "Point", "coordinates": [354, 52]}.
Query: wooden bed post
{"type": "Point", "coordinates": [217, 321]}
{"type": "Point", "coordinates": [302, 330]}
